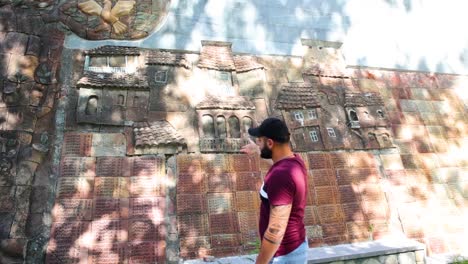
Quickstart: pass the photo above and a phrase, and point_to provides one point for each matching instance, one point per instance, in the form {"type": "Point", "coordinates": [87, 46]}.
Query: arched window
{"type": "Point", "coordinates": [353, 115]}
{"type": "Point", "coordinates": [234, 127]}
{"type": "Point", "coordinates": [91, 105]}
{"type": "Point", "coordinates": [381, 114]}
{"type": "Point", "coordinates": [121, 99]}
{"type": "Point", "coordinates": [221, 127]}
{"type": "Point", "coordinates": [208, 126]}
{"type": "Point", "coordinates": [247, 123]}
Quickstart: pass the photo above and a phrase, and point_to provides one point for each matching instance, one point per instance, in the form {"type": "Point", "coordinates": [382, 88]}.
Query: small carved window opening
{"type": "Point", "coordinates": [221, 127]}
{"type": "Point", "coordinates": [322, 96]}
{"type": "Point", "coordinates": [135, 101]}
{"type": "Point", "coordinates": [121, 99]}
{"type": "Point", "coordinates": [353, 115]}
{"type": "Point", "coordinates": [299, 116]}
{"type": "Point", "coordinates": [91, 105]}
{"type": "Point", "coordinates": [381, 114]}
{"type": "Point", "coordinates": [331, 132]}
{"type": "Point", "coordinates": [312, 114]}
{"type": "Point", "coordinates": [313, 136]}
{"type": "Point", "coordinates": [385, 138]}
{"type": "Point", "coordinates": [160, 77]}
{"type": "Point", "coordinates": [208, 126]}
{"type": "Point", "coordinates": [224, 76]}
{"type": "Point", "coordinates": [366, 114]}
{"type": "Point", "coordinates": [234, 127]}
{"type": "Point", "coordinates": [247, 123]}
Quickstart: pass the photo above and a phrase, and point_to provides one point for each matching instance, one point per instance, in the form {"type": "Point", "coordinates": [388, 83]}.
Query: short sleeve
{"type": "Point", "coordinates": [281, 188]}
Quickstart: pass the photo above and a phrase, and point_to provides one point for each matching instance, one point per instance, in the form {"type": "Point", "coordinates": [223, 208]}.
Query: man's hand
{"type": "Point", "coordinates": [279, 217]}
{"type": "Point", "coordinates": [251, 148]}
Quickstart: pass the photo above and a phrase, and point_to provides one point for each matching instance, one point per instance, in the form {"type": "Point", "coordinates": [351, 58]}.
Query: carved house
{"type": "Point", "coordinates": [224, 122]}
{"type": "Point", "coordinates": [112, 98]}
{"type": "Point", "coordinates": [112, 59]}
{"type": "Point", "coordinates": [157, 137]}
{"type": "Point", "coordinates": [365, 112]}
{"type": "Point", "coordinates": [162, 69]}
{"type": "Point", "coordinates": [301, 111]}
{"type": "Point", "coordinates": [224, 115]}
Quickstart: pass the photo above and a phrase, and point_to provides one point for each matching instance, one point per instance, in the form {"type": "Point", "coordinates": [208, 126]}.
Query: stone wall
{"type": "Point", "coordinates": [358, 190]}
{"type": "Point", "coordinates": [30, 51]}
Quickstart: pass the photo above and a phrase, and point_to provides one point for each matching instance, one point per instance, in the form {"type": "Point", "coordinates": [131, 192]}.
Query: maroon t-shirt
{"type": "Point", "coordinates": [286, 183]}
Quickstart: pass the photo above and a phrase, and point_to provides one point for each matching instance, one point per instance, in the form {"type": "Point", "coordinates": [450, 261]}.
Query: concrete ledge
{"type": "Point", "coordinates": [362, 250]}
{"type": "Point", "coordinates": [339, 253]}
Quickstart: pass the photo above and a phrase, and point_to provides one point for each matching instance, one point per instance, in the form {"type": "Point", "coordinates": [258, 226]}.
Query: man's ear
{"type": "Point", "coordinates": [270, 143]}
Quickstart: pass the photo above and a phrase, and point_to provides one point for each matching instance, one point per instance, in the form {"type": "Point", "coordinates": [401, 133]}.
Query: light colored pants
{"type": "Point", "coordinates": [297, 256]}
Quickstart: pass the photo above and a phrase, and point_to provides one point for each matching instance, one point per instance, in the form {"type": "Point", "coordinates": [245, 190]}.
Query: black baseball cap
{"type": "Point", "coordinates": [272, 128]}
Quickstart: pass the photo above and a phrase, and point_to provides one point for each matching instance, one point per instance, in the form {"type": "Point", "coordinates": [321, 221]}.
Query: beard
{"type": "Point", "coordinates": [266, 153]}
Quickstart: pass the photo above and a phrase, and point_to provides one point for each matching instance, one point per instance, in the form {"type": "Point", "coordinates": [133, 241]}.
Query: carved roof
{"type": "Point", "coordinates": [113, 50]}
{"type": "Point", "coordinates": [227, 102]}
{"type": "Point", "coordinates": [112, 80]}
{"type": "Point", "coordinates": [327, 70]}
{"type": "Point", "coordinates": [216, 56]}
{"type": "Point", "coordinates": [363, 99]}
{"type": "Point", "coordinates": [168, 58]}
{"type": "Point", "coordinates": [155, 134]}
{"type": "Point", "coordinates": [245, 63]}
{"type": "Point", "coordinates": [297, 96]}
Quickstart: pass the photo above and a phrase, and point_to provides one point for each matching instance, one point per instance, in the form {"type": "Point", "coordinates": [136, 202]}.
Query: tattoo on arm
{"type": "Point", "coordinates": [279, 216]}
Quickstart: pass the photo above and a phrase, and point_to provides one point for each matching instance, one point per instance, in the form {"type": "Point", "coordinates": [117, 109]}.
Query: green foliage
{"type": "Point", "coordinates": [256, 244]}
{"type": "Point", "coordinates": [459, 260]}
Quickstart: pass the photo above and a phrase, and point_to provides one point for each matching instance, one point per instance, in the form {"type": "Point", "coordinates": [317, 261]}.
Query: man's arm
{"type": "Point", "coordinates": [279, 216]}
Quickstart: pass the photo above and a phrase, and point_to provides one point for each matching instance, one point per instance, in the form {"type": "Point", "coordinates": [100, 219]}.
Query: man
{"type": "Point", "coordinates": [283, 196]}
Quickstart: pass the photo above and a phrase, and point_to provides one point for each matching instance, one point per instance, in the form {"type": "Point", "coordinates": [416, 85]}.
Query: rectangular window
{"type": "Point", "coordinates": [331, 132]}
{"type": "Point", "coordinates": [223, 76]}
{"type": "Point", "coordinates": [98, 61]}
{"type": "Point", "coordinates": [313, 136]}
{"type": "Point", "coordinates": [312, 114]}
{"type": "Point", "coordinates": [160, 76]}
{"type": "Point", "coordinates": [298, 116]}
{"type": "Point", "coordinates": [117, 61]}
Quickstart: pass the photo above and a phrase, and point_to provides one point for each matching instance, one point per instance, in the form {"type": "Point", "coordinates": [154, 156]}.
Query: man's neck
{"type": "Point", "coordinates": [282, 154]}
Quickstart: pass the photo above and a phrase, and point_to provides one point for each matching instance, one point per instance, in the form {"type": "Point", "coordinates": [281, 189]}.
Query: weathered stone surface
{"type": "Point", "coordinates": [390, 259]}
{"type": "Point", "coordinates": [25, 172]}
{"type": "Point", "coordinates": [39, 199]}
{"type": "Point", "coordinates": [7, 203]}
{"type": "Point", "coordinates": [13, 247]}
{"type": "Point", "coordinates": [407, 258]}
{"type": "Point", "coordinates": [6, 219]}
{"type": "Point", "coordinates": [371, 261]}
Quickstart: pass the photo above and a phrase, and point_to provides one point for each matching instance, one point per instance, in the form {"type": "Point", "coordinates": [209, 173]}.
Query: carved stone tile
{"type": "Point", "coordinates": [106, 231]}
{"type": "Point", "coordinates": [77, 144]}
{"type": "Point", "coordinates": [78, 167]}
{"type": "Point", "coordinates": [225, 223]}
{"type": "Point", "coordinates": [191, 203]}
{"type": "Point", "coordinates": [148, 208]}
{"type": "Point", "coordinates": [76, 187]}
{"type": "Point", "coordinates": [111, 208]}
{"type": "Point", "coordinates": [193, 225]}
{"type": "Point", "coordinates": [72, 209]}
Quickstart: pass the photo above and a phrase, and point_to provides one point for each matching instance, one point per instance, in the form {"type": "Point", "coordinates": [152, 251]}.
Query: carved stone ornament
{"type": "Point", "coordinates": [114, 19]}
{"type": "Point", "coordinates": [109, 14]}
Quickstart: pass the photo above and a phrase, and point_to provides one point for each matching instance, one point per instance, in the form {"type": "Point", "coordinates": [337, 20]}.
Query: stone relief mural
{"type": "Point", "coordinates": [198, 107]}
{"type": "Point", "coordinates": [121, 154]}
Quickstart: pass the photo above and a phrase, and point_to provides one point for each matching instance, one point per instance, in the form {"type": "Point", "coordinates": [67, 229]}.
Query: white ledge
{"type": "Point", "coordinates": [362, 250]}
{"type": "Point", "coordinates": [340, 252]}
